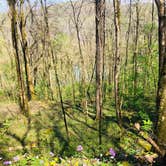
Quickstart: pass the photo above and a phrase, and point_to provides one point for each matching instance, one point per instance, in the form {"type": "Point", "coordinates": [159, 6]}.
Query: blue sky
{"type": "Point", "coordinates": [3, 5]}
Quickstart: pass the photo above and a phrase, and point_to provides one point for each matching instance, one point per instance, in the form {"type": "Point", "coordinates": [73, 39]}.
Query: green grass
{"type": "Point", "coordinates": [46, 133]}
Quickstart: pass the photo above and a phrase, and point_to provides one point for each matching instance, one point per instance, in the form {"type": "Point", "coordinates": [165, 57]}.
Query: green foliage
{"type": "Point", "coordinates": [29, 160]}
{"type": "Point", "coordinates": [148, 27]}
{"type": "Point", "coordinates": [146, 121]}
{"type": "Point", "coordinates": [128, 144]}
{"type": "Point", "coordinates": [68, 91]}
{"type": "Point", "coordinates": [147, 125]}
{"type": "Point", "coordinates": [61, 41]}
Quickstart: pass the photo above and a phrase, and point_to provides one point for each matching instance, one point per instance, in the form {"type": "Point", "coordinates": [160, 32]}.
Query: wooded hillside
{"type": "Point", "coordinates": [83, 80]}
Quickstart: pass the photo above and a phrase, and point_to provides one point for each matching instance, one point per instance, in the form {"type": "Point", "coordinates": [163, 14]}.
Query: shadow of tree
{"type": "Point", "coordinates": [22, 140]}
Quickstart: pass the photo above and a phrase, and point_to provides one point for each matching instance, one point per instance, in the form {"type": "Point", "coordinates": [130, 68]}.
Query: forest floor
{"type": "Point", "coordinates": [45, 133]}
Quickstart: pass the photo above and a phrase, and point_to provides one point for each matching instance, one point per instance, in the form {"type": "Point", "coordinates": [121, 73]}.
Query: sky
{"type": "Point", "coordinates": [3, 5]}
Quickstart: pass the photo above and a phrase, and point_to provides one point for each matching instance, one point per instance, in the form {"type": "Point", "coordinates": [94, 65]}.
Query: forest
{"type": "Point", "coordinates": [83, 82]}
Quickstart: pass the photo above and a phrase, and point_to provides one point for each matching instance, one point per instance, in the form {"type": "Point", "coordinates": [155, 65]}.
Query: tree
{"type": "Point", "coordinates": [135, 65]}
{"type": "Point", "coordinates": [127, 46]}
{"type": "Point", "coordinates": [161, 94]}
{"type": "Point", "coordinates": [46, 50]}
{"type": "Point", "coordinates": [100, 43]}
{"type": "Point", "coordinates": [116, 4]}
{"type": "Point", "coordinates": [23, 101]}
{"type": "Point", "coordinates": [50, 52]}
{"type": "Point", "coordinates": [25, 51]}
{"type": "Point", "coordinates": [77, 23]}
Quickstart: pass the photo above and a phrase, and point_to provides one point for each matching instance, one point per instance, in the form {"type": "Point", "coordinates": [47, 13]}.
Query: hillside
{"type": "Point", "coordinates": [58, 68]}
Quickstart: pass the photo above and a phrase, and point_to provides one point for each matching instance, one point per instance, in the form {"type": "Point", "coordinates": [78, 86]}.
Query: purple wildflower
{"type": "Point", "coordinates": [7, 162]}
{"type": "Point", "coordinates": [52, 154]}
{"type": "Point", "coordinates": [16, 158]}
{"type": "Point", "coordinates": [79, 148]}
{"type": "Point", "coordinates": [112, 152]}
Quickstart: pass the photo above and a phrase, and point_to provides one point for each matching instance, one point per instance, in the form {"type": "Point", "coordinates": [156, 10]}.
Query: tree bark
{"type": "Point", "coordinates": [135, 66]}
{"type": "Point", "coordinates": [161, 94]}
{"type": "Point", "coordinates": [23, 102]}
{"type": "Point", "coordinates": [125, 86]}
{"type": "Point", "coordinates": [116, 4]}
{"type": "Point", "coordinates": [24, 44]}
{"type": "Point", "coordinates": [100, 42]}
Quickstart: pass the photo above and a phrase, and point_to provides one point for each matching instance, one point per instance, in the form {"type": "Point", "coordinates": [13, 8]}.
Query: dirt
{"type": "Point", "coordinates": [9, 110]}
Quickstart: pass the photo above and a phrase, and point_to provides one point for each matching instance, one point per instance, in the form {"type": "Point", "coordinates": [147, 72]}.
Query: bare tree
{"type": "Point", "coordinates": [54, 60]}
{"type": "Point", "coordinates": [77, 23]}
{"type": "Point", "coordinates": [116, 4]}
{"type": "Point", "coordinates": [100, 43]}
{"type": "Point", "coordinates": [25, 51]}
{"type": "Point", "coordinates": [23, 101]}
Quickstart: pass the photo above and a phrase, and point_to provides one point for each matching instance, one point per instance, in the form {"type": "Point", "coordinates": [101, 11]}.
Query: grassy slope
{"type": "Point", "coordinates": [46, 132]}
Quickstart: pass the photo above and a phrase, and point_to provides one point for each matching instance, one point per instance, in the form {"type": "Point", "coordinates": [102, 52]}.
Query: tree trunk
{"type": "Point", "coordinates": [47, 51]}
{"type": "Point", "coordinates": [76, 18]}
{"type": "Point", "coordinates": [24, 44]}
{"type": "Point", "coordinates": [135, 66]}
{"type": "Point", "coordinates": [100, 31]}
{"type": "Point", "coordinates": [161, 94]}
{"type": "Point", "coordinates": [54, 60]}
{"type": "Point", "coordinates": [23, 102]}
{"type": "Point", "coordinates": [116, 4]}
{"type": "Point", "coordinates": [125, 86]}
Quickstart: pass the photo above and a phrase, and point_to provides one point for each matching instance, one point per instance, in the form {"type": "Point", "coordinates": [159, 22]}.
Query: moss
{"type": "Point", "coordinates": [144, 144]}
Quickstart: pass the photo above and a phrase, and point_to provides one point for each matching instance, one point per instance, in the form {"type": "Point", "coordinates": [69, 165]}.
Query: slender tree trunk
{"type": "Point", "coordinates": [54, 60]}
{"type": "Point", "coordinates": [76, 18]}
{"type": "Point", "coordinates": [116, 4]}
{"type": "Point", "coordinates": [125, 86]}
{"type": "Point", "coordinates": [100, 31]}
{"type": "Point", "coordinates": [135, 66]}
{"type": "Point", "coordinates": [24, 44]}
{"type": "Point", "coordinates": [46, 50]}
{"type": "Point", "coordinates": [73, 84]}
{"type": "Point", "coordinates": [60, 95]}
{"type": "Point", "coordinates": [150, 42]}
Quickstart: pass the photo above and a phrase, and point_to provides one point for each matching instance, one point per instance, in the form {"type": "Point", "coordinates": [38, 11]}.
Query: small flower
{"type": "Point", "coordinates": [16, 158]}
{"type": "Point", "coordinates": [79, 148]}
{"type": "Point", "coordinates": [52, 154]}
{"type": "Point", "coordinates": [112, 153]}
{"type": "Point", "coordinates": [0, 158]}
{"type": "Point", "coordinates": [7, 162]}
